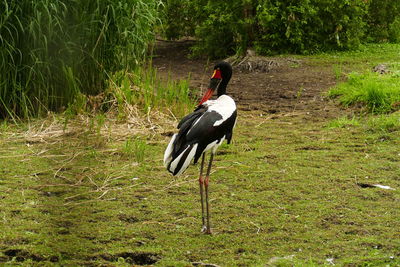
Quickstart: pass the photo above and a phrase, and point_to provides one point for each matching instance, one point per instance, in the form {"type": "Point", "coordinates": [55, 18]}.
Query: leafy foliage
{"type": "Point", "coordinates": [309, 26]}
{"type": "Point", "coordinates": [221, 27]}
{"type": "Point", "coordinates": [282, 26]}
{"type": "Point", "coordinates": [383, 21]}
{"type": "Point", "coordinates": [180, 18]}
{"type": "Point", "coordinates": [225, 28]}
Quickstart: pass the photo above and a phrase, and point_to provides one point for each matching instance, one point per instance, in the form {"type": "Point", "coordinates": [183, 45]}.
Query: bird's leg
{"type": "Point", "coordinates": [201, 183]}
{"type": "Point", "coordinates": [206, 187]}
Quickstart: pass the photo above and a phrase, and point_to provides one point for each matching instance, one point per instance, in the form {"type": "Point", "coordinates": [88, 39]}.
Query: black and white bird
{"type": "Point", "coordinates": [204, 130]}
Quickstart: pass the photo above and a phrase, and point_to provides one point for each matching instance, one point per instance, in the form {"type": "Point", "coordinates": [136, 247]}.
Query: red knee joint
{"type": "Point", "coordinates": [206, 181]}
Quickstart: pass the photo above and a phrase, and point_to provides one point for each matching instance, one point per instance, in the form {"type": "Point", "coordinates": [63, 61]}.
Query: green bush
{"type": "Point", "coordinates": [221, 27]}
{"type": "Point", "coordinates": [53, 49]}
{"type": "Point", "coordinates": [310, 26]}
{"type": "Point", "coordinates": [383, 21]}
{"type": "Point", "coordinates": [226, 27]}
{"type": "Point", "coordinates": [394, 30]}
{"type": "Point", "coordinates": [180, 18]}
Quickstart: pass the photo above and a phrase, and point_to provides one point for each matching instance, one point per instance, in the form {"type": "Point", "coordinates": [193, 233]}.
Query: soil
{"type": "Point", "coordinates": [289, 86]}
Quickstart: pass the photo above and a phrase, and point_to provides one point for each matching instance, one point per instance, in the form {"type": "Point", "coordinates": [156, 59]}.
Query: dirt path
{"type": "Point", "coordinates": [290, 86]}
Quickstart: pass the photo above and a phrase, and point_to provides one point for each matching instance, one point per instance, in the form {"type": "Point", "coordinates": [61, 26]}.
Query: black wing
{"type": "Point", "coordinates": [204, 132]}
{"type": "Point", "coordinates": [184, 126]}
{"type": "Point", "coordinates": [198, 127]}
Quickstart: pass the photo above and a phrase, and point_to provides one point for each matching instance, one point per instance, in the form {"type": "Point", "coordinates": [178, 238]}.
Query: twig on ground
{"type": "Point", "coordinates": [258, 227]}
{"type": "Point", "coordinates": [87, 201]}
{"type": "Point", "coordinates": [199, 263]}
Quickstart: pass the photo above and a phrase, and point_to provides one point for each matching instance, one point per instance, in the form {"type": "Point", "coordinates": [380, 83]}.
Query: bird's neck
{"type": "Point", "coordinates": [222, 88]}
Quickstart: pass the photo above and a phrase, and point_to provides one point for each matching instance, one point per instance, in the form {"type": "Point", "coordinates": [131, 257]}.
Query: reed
{"type": "Point", "coordinates": [51, 50]}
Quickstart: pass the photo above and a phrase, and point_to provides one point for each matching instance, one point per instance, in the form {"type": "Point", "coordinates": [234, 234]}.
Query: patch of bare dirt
{"type": "Point", "coordinates": [271, 84]}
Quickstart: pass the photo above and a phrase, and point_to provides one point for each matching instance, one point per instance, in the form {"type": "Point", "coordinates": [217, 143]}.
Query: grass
{"type": "Point", "coordinates": [144, 89]}
{"type": "Point", "coordinates": [82, 190]}
{"type": "Point", "coordinates": [288, 198]}
{"type": "Point", "coordinates": [375, 123]}
{"type": "Point", "coordinates": [378, 93]}
{"type": "Point", "coordinates": [53, 50]}
{"type": "Point", "coordinates": [361, 60]}
{"type": "Point", "coordinates": [377, 96]}
{"type": "Point", "coordinates": [384, 123]}
{"type": "Point", "coordinates": [135, 148]}
{"type": "Point", "coordinates": [344, 122]}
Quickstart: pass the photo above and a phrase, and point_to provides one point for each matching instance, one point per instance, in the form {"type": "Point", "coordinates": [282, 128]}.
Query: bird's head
{"type": "Point", "coordinates": [220, 78]}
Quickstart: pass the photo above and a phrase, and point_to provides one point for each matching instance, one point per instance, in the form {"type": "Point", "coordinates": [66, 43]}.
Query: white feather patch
{"type": "Point", "coordinates": [188, 159]}
{"type": "Point", "coordinates": [168, 151]}
{"type": "Point", "coordinates": [174, 163]}
{"type": "Point", "coordinates": [214, 149]}
{"type": "Point", "coordinates": [225, 106]}
{"type": "Point", "coordinates": [209, 103]}
{"type": "Point", "coordinates": [214, 145]}
{"type": "Point", "coordinates": [384, 186]}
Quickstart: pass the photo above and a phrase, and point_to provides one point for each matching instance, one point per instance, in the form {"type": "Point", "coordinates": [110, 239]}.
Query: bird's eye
{"type": "Point", "coordinates": [216, 74]}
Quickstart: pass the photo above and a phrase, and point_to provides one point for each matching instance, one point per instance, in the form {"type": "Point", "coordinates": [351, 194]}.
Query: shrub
{"type": "Point", "coordinates": [383, 21]}
{"type": "Point", "coordinates": [394, 30]}
{"type": "Point", "coordinates": [275, 26]}
{"type": "Point", "coordinates": [180, 18]}
{"type": "Point", "coordinates": [221, 27]}
{"type": "Point", "coordinates": [225, 28]}
{"type": "Point", "coordinates": [230, 26]}
{"type": "Point", "coordinates": [310, 26]}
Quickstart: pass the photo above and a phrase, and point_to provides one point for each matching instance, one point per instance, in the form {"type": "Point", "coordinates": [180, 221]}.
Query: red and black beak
{"type": "Point", "coordinates": [216, 79]}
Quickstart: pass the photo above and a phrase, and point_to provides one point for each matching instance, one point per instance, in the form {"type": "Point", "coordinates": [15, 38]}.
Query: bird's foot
{"type": "Point", "coordinates": [206, 230]}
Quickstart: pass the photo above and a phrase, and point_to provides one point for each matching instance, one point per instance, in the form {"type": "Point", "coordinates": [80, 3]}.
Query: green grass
{"type": "Point", "coordinates": [285, 193]}
{"type": "Point", "coordinates": [143, 88]}
{"type": "Point", "coordinates": [377, 93]}
{"type": "Point", "coordinates": [363, 59]}
{"type": "Point", "coordinates": [135, 148]}
{"type": "Point", "coordinates": [53, 50]}
{"type": "Point", "coordinates": [137, 95]}
{"type": "Point", "coordinates": [286, 198]}
{"type": "Point", "coordinates": [384, 124]}
{"type": "Point", "coordinates": [344, 122]}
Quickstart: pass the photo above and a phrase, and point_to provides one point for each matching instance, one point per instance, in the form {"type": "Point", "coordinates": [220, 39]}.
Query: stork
{"type": "Point", "coordinates": [204, 130]}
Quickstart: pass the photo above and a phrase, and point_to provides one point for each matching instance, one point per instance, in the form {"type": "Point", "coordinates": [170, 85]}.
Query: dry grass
{"type": "Point", "coordinates": [55, 127]}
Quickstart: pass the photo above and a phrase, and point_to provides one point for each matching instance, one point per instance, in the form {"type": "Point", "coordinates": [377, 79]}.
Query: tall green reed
{"type": "Point", "coordinates": [51, 50]}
